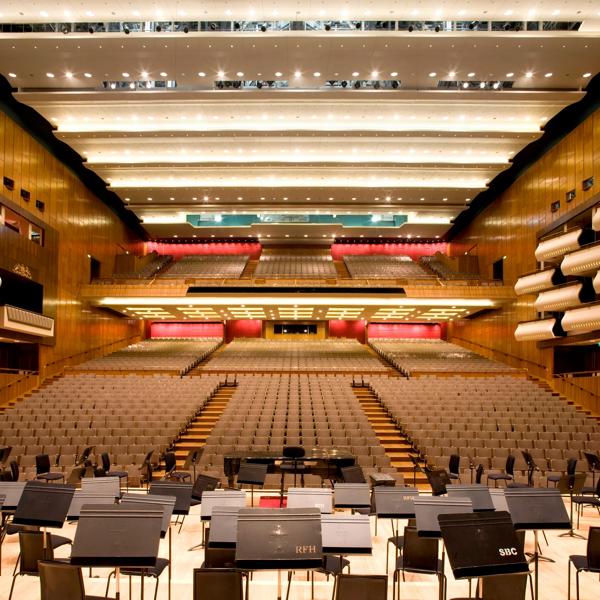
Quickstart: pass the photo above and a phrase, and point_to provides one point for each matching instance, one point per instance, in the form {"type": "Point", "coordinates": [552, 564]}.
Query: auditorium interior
{"type": "Point", "coordinates": [300, 299]}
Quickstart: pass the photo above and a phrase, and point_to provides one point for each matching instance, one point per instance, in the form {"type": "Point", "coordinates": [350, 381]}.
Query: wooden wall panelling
{"type": "Point", "coordinates": [83, 225]}
{"type": "Point", "coordinates": [508, 227]}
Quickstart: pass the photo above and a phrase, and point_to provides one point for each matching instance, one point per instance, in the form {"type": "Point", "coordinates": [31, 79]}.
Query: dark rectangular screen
{"type": "Point", "coordinates": [20, 292]}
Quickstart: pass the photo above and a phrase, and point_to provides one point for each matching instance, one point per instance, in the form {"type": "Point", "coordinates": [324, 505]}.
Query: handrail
{"type": "Point", "coordinates": [17, 371]}
{"type": "Point", "coordinates": [494, 350]}
{"type": "Point", "coordinates": [567, 379]}
{"type": "Point", "coordinates": [18, 387]}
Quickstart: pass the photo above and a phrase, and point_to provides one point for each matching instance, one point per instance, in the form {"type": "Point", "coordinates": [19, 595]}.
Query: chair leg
{"type": "Point", "coordinates": [568, 580]}
{"type": "Point", "coordinates": [156, 588]}
{"type": "Point", "coordinates": [576, 583]}
{"type": "Point", "coordinates": [289, 584]}
{"type": "Point", "coordinates": [108, 583]}
{"type": "Point", "coordinates": [12, 585]}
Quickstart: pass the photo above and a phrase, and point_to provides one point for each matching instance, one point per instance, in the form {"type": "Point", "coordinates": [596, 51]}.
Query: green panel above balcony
{"type": "Point", "coordinates": [364, 220]}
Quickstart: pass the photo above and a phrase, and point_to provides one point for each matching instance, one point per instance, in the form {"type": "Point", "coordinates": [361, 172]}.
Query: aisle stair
{"type": "Point", "coordinates": [248, 272]}
{"type": "Point", "coordinates": [396, 446]}
{"type": "Point", "coordinates": [342, 270]}
{"type": "Point", "coordinates": [199, 429]}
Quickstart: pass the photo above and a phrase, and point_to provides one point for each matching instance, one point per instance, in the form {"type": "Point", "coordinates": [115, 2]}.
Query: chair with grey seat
{"type": "Point", "coordinates": [361, 587]}
{"type": "Point", "coordinates": [454, 467]}
{"type": "Point", "coordinates": [555, 477]}
{"type": "Point", "coordinates": [581, 501]}
{"type": "Point", "coordinates": [507, 475]}
{"type": "Point", "coordinates": [210, 584]}
{"type": "Point", "coordinates": [589, 562]}
{"type": "Point", "coordinates": [154, 572]}
{"type": "Point", "coordinates": [503, 587]}
{"type": "Point", "coordinates": [43, 472]}
{"type": "Point", "coordinates": [105, 457]}
{"type": "Point", "coordinates": [62, 581]}
{"type": "Point", "coordinates": [32, 550]}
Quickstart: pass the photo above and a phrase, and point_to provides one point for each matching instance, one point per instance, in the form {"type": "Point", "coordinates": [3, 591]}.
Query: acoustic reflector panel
{"type": "Point", "coordinates": [553, 248]}
{"type": "Point", "coordinates": [542, 280]}
{"type": "Point", "coordinates": [597, 282]}
{"type": "Point", "coordinates": [583, 319]}
{"type": "Point", "coordinates": [532, 331]}
{"type": "Point", "coordinates": [596, 218]}
{"type": "Point", "coordinates": [582, 262]}
{"type": "Point", "coordinates": [566, 296]}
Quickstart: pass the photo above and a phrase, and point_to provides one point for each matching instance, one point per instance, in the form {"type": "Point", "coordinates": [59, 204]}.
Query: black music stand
{"type": "Point", "coordinates": [482, 545]}
{"type": "Point", "coordinates": [204, 483]}
{"type": "Point", "coordinates": [352, 495]}
{"type": "Point", "coordinates": [571, 485]}
{"type": "Point", "coordinates": [192, 459]}
{"type": "Point", "coordinates": [213, 498]}
{"type": "Point", "coordinates": [321, 498]}
{"type": "Point", "coordinates": [168, 505]}
{"type": "Point", "coordinates": [84, 456]}
{"type": "Point", "coordinates": [43, 505]}
{"type": "Point", "coordinates": [117, 536]}
{"type": "Point", "coordinates": [252, 474]}
{"type": "Point", "coordinates": [479, 495]}
{"type": "Point", "coordinates": [438, 480]}
{"type": "Point", "coordinates": [593, 461]}
{"type": "Point", "coordinates": [353, 474]}
{"type": "Point", "coordinates": [427, 511]}
{"type": "Point", "coordinates": [279, 539]}
{"type": "Point", "coordinates": [416, 467]}
{"type": "Point", "coordinates": [182, 493]}
{"type": "Point", "coordinates": [535, 509]}
{"type": "Point", "coordinates": [379, 479]}
{"type": "Point", "coordinates": [531, 466]}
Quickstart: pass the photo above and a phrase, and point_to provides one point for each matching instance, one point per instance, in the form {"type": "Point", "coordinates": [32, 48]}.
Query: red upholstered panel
{"type": "Point", "coordinates": [185, 330]}
{"type": "Point", "coordinates": [248, 328]}
{"type": "Point", "coordinates": [434, 331]}
{"type": "Point", "coordinates": [412, 250]}
{"type": "Point", "coordinates": [177, 250]}
{"type": "Point", "coordinates": [347, 329]}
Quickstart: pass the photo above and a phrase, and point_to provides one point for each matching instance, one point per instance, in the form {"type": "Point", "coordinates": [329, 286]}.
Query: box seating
{"type": "Point", "coordinates": [295, 266]}
{"type": "Point", "coordinates": [227, 266]}
{"type": "Point", "coordinates": [383, 266]}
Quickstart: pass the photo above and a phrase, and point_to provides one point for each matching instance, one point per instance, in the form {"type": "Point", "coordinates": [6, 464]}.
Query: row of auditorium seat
{"type": "Point", "coordinates": [382, 266]}
{"type": "Point", "coordinates": [280, 265]}
{"type": "Point", "coordinates": [150, 269]}
{"type": "Point", "coordinates": [125, 415]}
{"type": "Point", "coordinates": [417, 355]}
{"type": "Point", "coordinates": [483, 419]}
{"type": "Point", "coordinates": [207, 266]}
{"type": "Point", "coordinates": [273, 355]}
{"type": "Point", "coordinates": [156, 355]}
{"type": "Point", "coordinates": [437, 265]}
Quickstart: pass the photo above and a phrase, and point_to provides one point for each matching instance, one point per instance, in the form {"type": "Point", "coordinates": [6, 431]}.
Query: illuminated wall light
{"type": "Point", "coordinates": [201, 74]}
{"type": "Point", "coordinates": [13, 75]}
{"type": "Point", "coordinates": [50, 75]}
{"type": "Point", "coordinates": [88, 75]}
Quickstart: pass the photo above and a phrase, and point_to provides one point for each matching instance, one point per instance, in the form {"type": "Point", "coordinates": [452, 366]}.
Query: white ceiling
{"type": "Point", "coordinates": [44, 10]}
{"type": "Point", "coordinates": [417, 150]}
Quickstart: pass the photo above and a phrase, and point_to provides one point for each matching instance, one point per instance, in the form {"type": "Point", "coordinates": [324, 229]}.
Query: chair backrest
{"type": "Point", "coordinates": [353, 474]}
{"type": "Point", "coordinates": [293, 451]}
{"type": "Point", "coordinates": [217, 583]}
{"type": "Point", "coordinates": [60, 581]}
{"type": "Point", "coordinates": [510, 465]}
{"type": "Point", "coordinates": [42, 464]}
{"type": "Point", "coordinates": [454, 464]}
{"type": "Point", "coordinates": [571, 466]}
{"type": "Point", "coordinates": [105, 461]}
{"type": "Point", "coordinates": [479, 473]}
{"type": "Point", "coordinates": [14, 470]}
{"type": "Point", "coordinates": [419, 552]}
{"type": "Point", "coordinates": [507, 587]}
{"type": "Point", "coordinates": [170, 461]}
{"type": "Point", "coordinates": [593, 548]}
{"type": "Point", "coordinates": [31, 545]}
{"type": "Point", "coordinates": [361, 587]}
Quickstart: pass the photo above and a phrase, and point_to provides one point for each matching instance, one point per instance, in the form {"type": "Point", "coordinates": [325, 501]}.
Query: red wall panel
{"type": "Point", "coordinates": [347, 329]}
{"type": "Point", "coordinates": [185, 330]}
{"type": "Point", "coordinates": [434, 331]}
{"type": "Point", "coordinates": [412, 250]}
{"type": "Point", "coordinates": [178, 250]}
{"type": "Point", "coordinates": [248, 328]}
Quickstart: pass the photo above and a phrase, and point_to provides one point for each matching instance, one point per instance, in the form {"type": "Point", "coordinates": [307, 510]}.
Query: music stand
{"type": "Point", "coordinates": [43, 505]}
{"type": "Point", "coordinates": [479, 495]}
{"type": "Point", "coordinates": [84, 455]}
{"type": "Point", "coordinates": [12, 492]}
{"type": "Point", "coordinates": [394, 503]}
{"type": "Point", "coordinates": [427, 511]}
{"type": "Point", "coordinates": [593, 461]}
{"type": "Point", "coordinates": [351, 495]}
{"type": "Point", "coordinates": [192, 459]}
{"type": "Point", "coordinates": [321, 498]}
{"type": "Point", "coordinates": [252, 474]}
{"type": "Point", "coordinates": [482, 545]}
{"type": "Point", "coordinates": [279, 539]}
{"type": "Point", "coordinates": [353, 474]}
{"type": "Point", "coordinates": [378, 479]}
{"type": "Point", "coordinates": [346, 534]}
{"type": "Point", "coordinates": [168, 505]}
{"type": "Point", "coordinates": [535, 509]}
{"type": "Point", "coordinates": [204, 483]}
{"type": "Point", "coordinates": [416, 467]}
{"type": "Point", "coordinates": [117, 536]}
{"type": "Point", "coordinates": [223, 527]}
{"type": "Point", "coordinates": [102, 485]}
{"type": "Point", "coordinates": [214, 498]}
{"type": "Point", "coordinates": [571, 485]}
{"type": "Point", "coordinates": [4, 454]}
{"type": "Point", "coordinates": [81, 497]}
{"type": "Point", "coordinates": [182, 493]}
{"type": "Point", "coordinates": [438, 480]}
{"type": "Point", "coordinates": [498, 499]}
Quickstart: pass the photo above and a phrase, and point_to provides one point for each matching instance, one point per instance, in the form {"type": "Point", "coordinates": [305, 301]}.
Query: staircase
{"type": "Point", "coordinates": [392, 439]}
{"type": "Point", "coordinates": [198, 369]}
{"type": "Point", "coordinates": [342, 270]}
{"type": "Point", "coordinates": [248, 272]}
{"type": "Point", "coordinates": [199, 429]}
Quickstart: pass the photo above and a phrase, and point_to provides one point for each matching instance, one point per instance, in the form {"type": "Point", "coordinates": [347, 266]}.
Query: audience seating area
{"type": "Point", "coordinates": [484, 419]}
{"type": "Point", "coordinates": [268, 412]}
{"type": "Point", "coordinates": [279, 265]}
{"type": "Point", "coordinates": [178, 356]}
{"type": "Point", "coordinates": [443, 271]}
{"type": "Point", "coordinates": [270, 355]}
{"type": "Point", "coordinates": [382, 266]}
{"type": "Point", "coordinates": [124, 415]}
{"type": "Point", "coordinates": [209, 266]}
{"type": "Point", "coordinates": [412, 356]}
{"type": "Point", "coordinates": [151, 268]}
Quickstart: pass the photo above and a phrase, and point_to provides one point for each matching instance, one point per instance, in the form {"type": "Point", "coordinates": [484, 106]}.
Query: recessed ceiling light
{"type": "Point", "coordinates": [297, 74]}
{"type": "Point", "coordinates": [394, 74]}
{"type": "Point", "coordinates": [529, 74]}
{"type": "Point", "coordinates": [201, 74]}
{"type": "Point", "coordinates": [239, 74]}
{"type": "Point", "coordinates": [125, 74]}
{"type": "Point", "coordinates": [586, 75]}
{"type": "Point", "coordinates": [465, 84]}
{"type": "Point", "coordinates": [221, 74]}
{"type": "Point", "coordinates": [374, 74]}
{"type": "Point", "coordinates": [163, 74]}
{"type": "Point", "coordinates": [88, 75]}
{"type": "Point", "coordinates": [68, 75]}
{"type": "Point", "coordinates": [278, 73]}
{"type": "Point", "coordinates": [14, 75]}
{"type": "Point", "coordinates": [317, 74]}
{"type": "Point", "coordinates": [452, 74]}
{"type": "Point", "coordinates": [355, 74]}
{"type": "Point", "coordinates": [51, 75]}
{"type": "Point", "coordinates": [471, 74]}
{"type": "Point", "coordinates": [144, 74]}
{"type": "Point", "coordinates": [548, 75]}
{"type": "Point", "coordinates": [432, 74]}
{"type": "Point", "coordinates": [511, 74]}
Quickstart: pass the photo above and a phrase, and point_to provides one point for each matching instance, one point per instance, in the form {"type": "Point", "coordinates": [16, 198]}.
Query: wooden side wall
{"type": "Point", "coordinates": [82, 226]}
{"type": "Point", "coordinates": [508, 228]}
